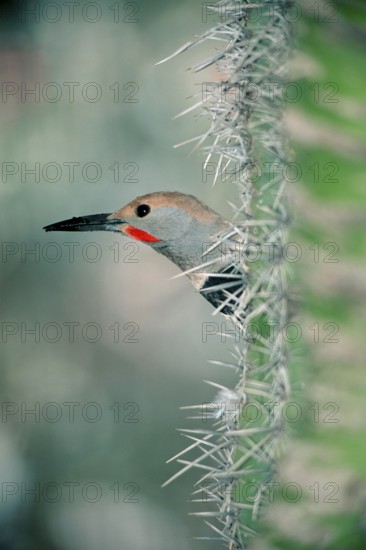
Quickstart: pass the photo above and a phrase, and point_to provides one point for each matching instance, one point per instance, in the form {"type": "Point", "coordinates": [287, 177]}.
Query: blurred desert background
{"type": "Point", "coordinates": [100, 347]}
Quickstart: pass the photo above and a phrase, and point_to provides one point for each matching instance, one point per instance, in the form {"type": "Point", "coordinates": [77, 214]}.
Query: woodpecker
{"type": "Point", "coordinates": [181, 227]}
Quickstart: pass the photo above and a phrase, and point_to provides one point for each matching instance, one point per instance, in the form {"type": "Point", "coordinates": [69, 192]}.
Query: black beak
{"type": "Point", "coordinates": [94, 222]}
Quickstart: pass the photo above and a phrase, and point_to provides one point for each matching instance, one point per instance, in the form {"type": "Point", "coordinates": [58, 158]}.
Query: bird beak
{"type": "Point", "coordinates": [94, 222]}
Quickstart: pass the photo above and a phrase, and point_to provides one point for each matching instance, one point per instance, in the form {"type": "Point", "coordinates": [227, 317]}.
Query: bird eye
{"type": "Point", "coordinates": [142, 210]}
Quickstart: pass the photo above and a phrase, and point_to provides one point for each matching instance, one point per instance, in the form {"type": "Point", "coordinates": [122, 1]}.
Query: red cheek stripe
{"type": "Point", "coordinates": [140, 235]}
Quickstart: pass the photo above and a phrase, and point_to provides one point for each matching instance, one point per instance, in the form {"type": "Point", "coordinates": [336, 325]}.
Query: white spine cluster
{"type": "Point", "coordinates": [237, 454]}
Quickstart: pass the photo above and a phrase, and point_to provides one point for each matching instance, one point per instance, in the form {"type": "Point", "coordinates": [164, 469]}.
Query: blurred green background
{"type": "Point", "coordinates": [97, 132]}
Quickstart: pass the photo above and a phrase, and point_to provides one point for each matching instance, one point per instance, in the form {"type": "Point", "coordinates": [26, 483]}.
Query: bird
{"type": "Point", "coordinates": [198, 240]}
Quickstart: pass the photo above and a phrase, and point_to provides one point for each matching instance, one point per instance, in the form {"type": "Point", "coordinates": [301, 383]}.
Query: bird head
{"type": "Point", "coordinates": [175, 224]}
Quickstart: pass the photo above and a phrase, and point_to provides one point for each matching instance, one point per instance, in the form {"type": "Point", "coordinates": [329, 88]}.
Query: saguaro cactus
{"type": "Point", "coordinates": [237, 454]}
